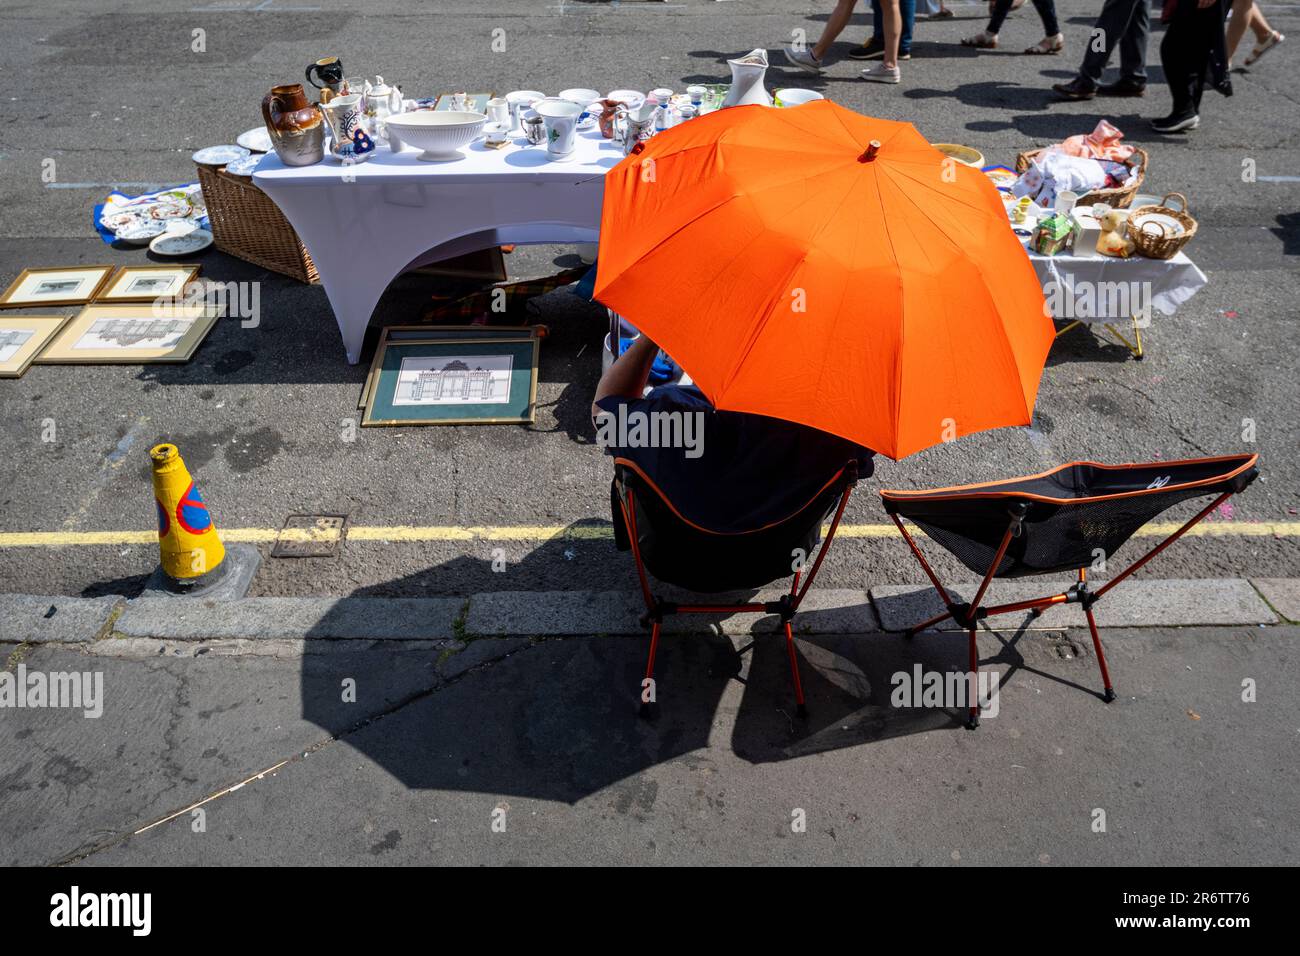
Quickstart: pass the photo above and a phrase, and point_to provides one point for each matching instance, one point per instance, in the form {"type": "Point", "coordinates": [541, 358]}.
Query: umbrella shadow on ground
{"type": "Point", "coordinates": [556, 719]}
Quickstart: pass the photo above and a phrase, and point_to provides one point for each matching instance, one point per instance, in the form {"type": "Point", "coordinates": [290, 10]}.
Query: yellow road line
{"type": "Point", "coordinates": [598, 532]}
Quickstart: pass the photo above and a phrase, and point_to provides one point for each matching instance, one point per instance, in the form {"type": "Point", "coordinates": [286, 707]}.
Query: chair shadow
{"type": "Point", "coordinates": [557, 719]}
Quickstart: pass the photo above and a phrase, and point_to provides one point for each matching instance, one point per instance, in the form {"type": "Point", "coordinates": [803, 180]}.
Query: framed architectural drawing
{"type": "Point", "coordinates": [73, 285]}
{"type": "Point", "coordinates": [131, 334]}
{"type": "Point", "coordinates": [148, 283]}
{"type": "Point", "coordinates": [21, 339]}
{"type": "Point", "coordinates": [466, 381]}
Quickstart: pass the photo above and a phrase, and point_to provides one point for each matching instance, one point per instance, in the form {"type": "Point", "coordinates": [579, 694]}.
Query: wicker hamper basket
{"type": "Point", "coordinates": [248, 225]}
{"type": "Point", "coordinates": [1118, 198]}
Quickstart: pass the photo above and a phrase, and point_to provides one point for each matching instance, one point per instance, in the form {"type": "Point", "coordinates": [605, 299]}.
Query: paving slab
{"type": "Point", "coordinates": [1282, 593]}
{"type": "Point", "coordinates": [388, 619]}
{"type": "Point", "coordinates": [38, 619]}
{"type": "Point", "coordinates": [1143, 603]}
{"type": "Point", "coordinates": [548, 741]}
{"type": "Point", "coordinates": [825, 611]}
{"type": "Point", "coordinates": [173, 731]}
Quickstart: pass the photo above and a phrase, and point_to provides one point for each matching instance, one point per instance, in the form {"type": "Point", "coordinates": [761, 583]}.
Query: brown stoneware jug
{"type": "Point", "coordinates": [295, 125]}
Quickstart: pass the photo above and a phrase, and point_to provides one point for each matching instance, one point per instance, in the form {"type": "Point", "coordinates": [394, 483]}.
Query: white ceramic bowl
{"type": "Point", "coordinates": [579, 96]}
{"type": "Point", "coordinates": [793, 96]}
{"type": "Point", "coordinates": [632, 98]}
{"type": "Point", "coordinates": [439, 134]}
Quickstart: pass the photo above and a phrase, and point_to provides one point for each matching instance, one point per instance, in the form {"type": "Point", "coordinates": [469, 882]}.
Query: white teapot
{"type": "Point", "coordinates": [379, 102]}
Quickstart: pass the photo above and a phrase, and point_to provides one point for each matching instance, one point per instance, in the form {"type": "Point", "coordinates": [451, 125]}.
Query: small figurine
{"type": "Point", "coordinates": [1114, 239]}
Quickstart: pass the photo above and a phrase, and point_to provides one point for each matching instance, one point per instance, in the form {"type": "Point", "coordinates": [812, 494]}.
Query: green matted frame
{"type": "Point", "coordinates": [429, 333]}
{"type": "Point", "coordinates": [520, 410]}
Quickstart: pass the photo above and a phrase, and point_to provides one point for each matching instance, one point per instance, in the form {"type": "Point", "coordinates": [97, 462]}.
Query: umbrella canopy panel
{"type": "Point", "coordinates": [884, 300]}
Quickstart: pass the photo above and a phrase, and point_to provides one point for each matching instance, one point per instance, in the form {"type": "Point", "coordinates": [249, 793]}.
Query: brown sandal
{"type": "Point", "coordinates": [982, 41]}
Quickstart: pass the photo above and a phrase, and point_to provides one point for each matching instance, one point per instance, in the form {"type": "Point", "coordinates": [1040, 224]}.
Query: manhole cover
{"type": "Point", "coordinates": [310, 536]}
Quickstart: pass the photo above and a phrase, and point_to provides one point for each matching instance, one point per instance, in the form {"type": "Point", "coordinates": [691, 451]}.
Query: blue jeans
{"type": "Point", "coordinates": [907, 10]}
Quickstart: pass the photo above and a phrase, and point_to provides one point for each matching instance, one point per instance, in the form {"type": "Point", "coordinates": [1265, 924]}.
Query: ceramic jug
{"type": "Point", "coordinates": [295, 126]}
{"type": "Point", "coordinates": [635, 125]}
{"type": "Point", "coordinates": [747, 74]}
{"type": "Point", "coordinates": [349, 141]}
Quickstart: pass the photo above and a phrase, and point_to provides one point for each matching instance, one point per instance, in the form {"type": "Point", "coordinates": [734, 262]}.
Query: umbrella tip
{"type": "Point", "coordinates": [873, 147]}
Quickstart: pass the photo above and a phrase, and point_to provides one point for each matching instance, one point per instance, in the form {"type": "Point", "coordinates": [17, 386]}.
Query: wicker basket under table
{"type": "Point", "coordinates": [246, 224]}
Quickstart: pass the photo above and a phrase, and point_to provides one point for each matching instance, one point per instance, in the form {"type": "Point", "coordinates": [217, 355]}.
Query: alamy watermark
{"type": "Point", "coordinates": [657, 429]}
{"type": "Point", "coordinates": [1068, 299]}
{"type": "Point", "coordinates": [75, 690]}
{"type": "Point", "coordinates": [943, 690]}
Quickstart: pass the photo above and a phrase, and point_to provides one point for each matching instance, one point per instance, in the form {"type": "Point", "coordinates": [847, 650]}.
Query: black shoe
{"type": "Point", "coordinates": [1177, 123]}
{"type": "Point", "coordinates": [1077, 89]}
{"type": "Point", "coordinates": [1124, 87]}
{"type": "Point", "coordinates": [868, 51]}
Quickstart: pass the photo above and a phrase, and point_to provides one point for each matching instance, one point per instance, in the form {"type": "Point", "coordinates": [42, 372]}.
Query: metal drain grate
{"type": "Point", "coordinates": [311, 536]}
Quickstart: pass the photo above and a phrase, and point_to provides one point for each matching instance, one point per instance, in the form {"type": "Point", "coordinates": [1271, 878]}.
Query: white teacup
{"type": "Point", "coordinates": [520, 100]}
{"type": "Point", "coordinates": [498, 110]}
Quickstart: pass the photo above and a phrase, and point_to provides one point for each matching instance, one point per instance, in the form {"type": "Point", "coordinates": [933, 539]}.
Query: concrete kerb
{"type": "Point", "coordinates": [452, 622]}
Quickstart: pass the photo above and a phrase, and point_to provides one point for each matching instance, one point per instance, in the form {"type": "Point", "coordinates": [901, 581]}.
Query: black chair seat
{"type": "Point", "coordinates": [1071, 513]}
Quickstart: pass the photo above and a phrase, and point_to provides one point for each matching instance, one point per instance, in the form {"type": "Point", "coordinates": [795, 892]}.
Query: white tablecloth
{"type": "Point", "coordinates": [1160, 284]}
{"type": "Point", "coordinates": [366, 224]}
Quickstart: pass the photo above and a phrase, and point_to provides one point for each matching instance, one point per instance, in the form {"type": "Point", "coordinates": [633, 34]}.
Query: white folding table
{"type": "Point", "coordinates": [366, 224]}
{"type": "Point", "coordinates": [1088, 288]}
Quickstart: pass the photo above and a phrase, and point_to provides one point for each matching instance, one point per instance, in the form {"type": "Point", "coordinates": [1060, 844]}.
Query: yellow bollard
{"type": "Point", "coordinates": [187, 536]}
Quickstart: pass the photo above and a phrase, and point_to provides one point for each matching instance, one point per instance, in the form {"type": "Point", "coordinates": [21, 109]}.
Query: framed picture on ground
{"type": "Point", "coordinates": [21, 339]}
{"type": "Point", "coordinates": [131, 334]}
{"type": "Point", "coordinates": [147, 283]}
{"type": "Point", "coordinates": [429, 333]}
{"type": "Point", "coordinates": [71, 285]}
{"type": "Point", "coordinates": [466, 381]}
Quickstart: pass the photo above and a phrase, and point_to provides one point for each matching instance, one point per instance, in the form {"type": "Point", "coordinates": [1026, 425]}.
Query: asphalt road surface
{"type": "Point", "coordinates": [263, 415]}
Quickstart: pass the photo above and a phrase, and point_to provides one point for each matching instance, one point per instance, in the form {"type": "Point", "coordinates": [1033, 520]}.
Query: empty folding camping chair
{"type": "Point", "coordinates": [679, 549]}
{"type": "Point", "coordinates": [1060, 520]}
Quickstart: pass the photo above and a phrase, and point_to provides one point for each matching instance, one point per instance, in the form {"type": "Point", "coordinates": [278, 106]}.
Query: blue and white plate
{"type": "Point", "coordinates": [219, 155]}
{"type": "Point", "coordinates": [245, 166]}
{"type": "Point", "coordinates": [257, 139]}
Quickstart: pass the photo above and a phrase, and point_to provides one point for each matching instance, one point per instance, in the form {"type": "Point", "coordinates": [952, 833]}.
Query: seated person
{"type": "Point", "coordinates": [724, 471]}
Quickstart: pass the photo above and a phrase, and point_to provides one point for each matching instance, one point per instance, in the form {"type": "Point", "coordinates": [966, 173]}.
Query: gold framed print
{"type": "Point", "coordinates": [22, 337]}
{"type": "Point", "coordinates": [148, 283]}
{"type": "Point", "coordinates": [131, 334]}
{"type": "Point", "coordinates": [67, 285]}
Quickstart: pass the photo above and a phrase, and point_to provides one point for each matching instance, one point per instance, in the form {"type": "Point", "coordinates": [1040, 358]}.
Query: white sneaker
{"type": "Point", "coordinates": [879, 73]}
{"type": "Point", "coordinates": [803, 59]}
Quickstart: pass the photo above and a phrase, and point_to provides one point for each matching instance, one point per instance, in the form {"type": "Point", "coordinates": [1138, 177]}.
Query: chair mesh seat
{"type": "Point", "coordinates": [677, 552]}
{"type": "Point", "coordinates": [1074, 513]}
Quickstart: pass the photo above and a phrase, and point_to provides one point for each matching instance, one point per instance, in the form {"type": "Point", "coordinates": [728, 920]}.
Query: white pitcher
{"type": "Point", "coordinates": [561, 118]}
{"type": "Point", "coordinates": [747, 74]}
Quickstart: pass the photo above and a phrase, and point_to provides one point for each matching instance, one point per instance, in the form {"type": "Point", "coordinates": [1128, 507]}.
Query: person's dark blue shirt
{"type": "Point", "coordinates": [733, 471]}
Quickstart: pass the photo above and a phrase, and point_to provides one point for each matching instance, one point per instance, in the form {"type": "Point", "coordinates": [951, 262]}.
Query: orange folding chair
{"type": "Point", "coordinates": [677, 550]}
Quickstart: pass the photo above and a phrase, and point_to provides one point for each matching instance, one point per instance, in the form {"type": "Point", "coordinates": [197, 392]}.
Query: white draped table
{"type": "Point", "coordinates": [366, 224]}
{"type": "Point", "coordinates": [1091, 288]}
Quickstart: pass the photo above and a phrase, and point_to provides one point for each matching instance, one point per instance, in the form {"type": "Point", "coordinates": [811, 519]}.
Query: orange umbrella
{"type": "Point", "coordinates": [882, 299]}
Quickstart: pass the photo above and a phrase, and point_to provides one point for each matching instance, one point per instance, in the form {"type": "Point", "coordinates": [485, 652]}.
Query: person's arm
{"type": "Point", "coordinates": [627, 376]}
